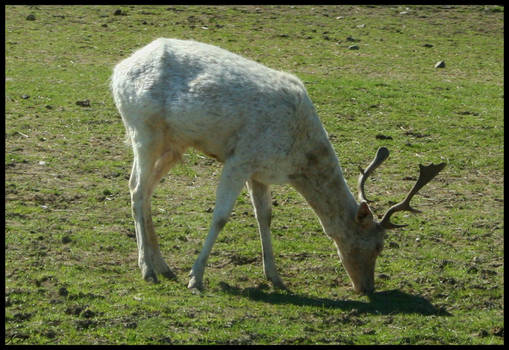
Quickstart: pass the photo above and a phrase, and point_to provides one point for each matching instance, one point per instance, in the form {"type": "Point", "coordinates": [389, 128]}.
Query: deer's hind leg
{"type": "Point", "coordinates": [154, 155]}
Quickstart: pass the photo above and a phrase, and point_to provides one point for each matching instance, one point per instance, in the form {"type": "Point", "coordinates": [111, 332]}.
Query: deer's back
{"type": "Point", "coordinates": [188, 76]}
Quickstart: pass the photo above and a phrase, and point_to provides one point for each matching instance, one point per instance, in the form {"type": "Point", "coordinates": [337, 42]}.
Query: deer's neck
{"type": "Point", "coordinates": [328, 194]}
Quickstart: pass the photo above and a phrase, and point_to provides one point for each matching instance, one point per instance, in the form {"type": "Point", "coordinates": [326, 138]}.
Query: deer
{"type": "Point", "coordinates": [261, 124]}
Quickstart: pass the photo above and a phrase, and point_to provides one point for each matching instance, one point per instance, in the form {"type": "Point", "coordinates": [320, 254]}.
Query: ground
{"type": "Point", "coordinates": [71, 269]}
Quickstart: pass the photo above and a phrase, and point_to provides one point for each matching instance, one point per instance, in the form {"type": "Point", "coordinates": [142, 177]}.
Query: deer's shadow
{"type": "Point", "coordinates": [380, 303]}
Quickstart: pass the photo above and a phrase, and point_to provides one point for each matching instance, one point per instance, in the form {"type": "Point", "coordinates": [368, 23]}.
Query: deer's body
{"type": "Point", "coordinates": [219, 103]}
{"type": "Point", "coordinates": [260, 123]}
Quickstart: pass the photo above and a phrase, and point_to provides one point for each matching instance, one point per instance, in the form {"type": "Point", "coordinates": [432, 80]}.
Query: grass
{"type": "Point", "coordinates": [70, 260]}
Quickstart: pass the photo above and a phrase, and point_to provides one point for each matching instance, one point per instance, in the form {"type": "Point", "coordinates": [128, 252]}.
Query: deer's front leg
{"type": "Point", "coordinates": [230, 184]}
{"type": "Point", "coordinates": [260, 197]}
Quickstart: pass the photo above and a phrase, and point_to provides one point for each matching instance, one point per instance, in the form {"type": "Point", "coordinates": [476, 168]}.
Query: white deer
{"type": "Point", "coordinates": [174, 94]}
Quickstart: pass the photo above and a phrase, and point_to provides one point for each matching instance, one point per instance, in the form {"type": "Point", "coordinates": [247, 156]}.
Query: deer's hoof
{"type": "Point", "coordinates": [280, 285]}
{"type": "Point", "coordinates": [169, 274]}
{"type": "Point", "coordinates": [150, 276]}
{"type": "Point", "coordinates": [194, 283]}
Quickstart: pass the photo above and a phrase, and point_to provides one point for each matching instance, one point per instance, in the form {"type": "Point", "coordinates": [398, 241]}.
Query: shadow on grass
{"type": "Point", "coordinates": [384, 303]}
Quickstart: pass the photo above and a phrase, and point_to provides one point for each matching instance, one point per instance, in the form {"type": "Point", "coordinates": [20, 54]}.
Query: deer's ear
{"type": "Point", "coordinates": [364, 216]}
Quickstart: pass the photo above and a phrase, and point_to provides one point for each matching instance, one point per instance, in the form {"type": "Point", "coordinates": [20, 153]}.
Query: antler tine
{"type": "Point", "coordinates": [426, 174]}
{"type": "Point", "coordinates": [381, 155]}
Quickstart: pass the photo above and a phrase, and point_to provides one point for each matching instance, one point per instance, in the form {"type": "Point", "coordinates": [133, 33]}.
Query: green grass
{"type": "Point", "coordinates": [71, 259]}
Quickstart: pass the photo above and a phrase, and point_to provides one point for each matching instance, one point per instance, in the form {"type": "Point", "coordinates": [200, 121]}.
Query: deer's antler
{"type": "Point", "coordinates": [381, 155]}
{"type": "Point", "coordinates": [427, 173]}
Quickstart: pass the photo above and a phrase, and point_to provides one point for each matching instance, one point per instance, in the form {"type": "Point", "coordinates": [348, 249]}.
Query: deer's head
{"type": "Point", "coordinates": [366, 241]}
